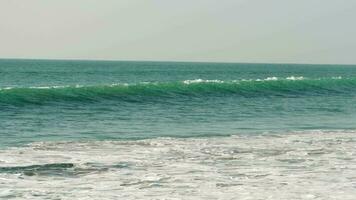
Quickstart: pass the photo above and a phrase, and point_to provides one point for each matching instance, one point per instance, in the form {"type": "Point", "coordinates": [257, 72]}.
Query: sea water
{"type": "Point", "coordinates": [169, 130]}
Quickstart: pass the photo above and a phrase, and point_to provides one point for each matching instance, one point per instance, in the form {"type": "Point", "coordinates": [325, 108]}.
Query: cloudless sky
{"type": "Point", "coordinates": [273, 31]}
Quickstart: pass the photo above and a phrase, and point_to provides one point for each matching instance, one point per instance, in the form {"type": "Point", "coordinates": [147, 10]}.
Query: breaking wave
{"type": "Point", "coordinates": [150, 91]}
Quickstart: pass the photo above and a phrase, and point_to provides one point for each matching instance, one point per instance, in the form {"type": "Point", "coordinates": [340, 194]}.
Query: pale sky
{"type": "Point", "coordinates": [271, 31]}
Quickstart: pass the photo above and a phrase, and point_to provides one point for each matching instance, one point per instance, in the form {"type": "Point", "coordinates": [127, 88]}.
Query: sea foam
{"type": "Point", "coordinates": [299, 165]}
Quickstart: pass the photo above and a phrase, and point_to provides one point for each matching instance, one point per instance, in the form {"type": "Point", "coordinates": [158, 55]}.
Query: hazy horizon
{"type": "Point", "coordinates": [173, 61]}
{"type": "Point", "coordinates": [240, 31]}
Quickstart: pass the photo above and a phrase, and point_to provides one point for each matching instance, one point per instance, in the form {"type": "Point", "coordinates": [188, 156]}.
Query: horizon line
{"type": "Point", "coordinates": [174, 61]}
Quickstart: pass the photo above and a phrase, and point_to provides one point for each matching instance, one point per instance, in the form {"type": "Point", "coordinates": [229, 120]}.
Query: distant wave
{"type": "Point", "coordinates": [197, 88]}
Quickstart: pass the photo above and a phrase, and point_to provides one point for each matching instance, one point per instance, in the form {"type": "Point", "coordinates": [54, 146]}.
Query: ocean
{"type": "Point", "coordinates": [176, 130]}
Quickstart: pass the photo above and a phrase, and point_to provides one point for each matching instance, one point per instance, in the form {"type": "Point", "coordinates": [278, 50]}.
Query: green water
{"type": "Point", "coordinates": [45, 100]}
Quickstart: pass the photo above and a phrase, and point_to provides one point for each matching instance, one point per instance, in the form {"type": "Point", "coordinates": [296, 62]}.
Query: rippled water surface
{"type": "Point", "coordinates": [163, 130]}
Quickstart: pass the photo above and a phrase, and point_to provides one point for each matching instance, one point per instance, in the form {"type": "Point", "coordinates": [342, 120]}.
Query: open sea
{"type": "Point", "coordinates": [176, 130]}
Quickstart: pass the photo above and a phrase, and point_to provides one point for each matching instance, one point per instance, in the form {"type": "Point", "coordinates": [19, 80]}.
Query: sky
{"type": "Point", "coordinates": [269, 31]}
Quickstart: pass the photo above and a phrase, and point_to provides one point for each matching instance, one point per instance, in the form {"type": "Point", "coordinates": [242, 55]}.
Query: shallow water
{"type": "Point", "coordinates": [309, 165]}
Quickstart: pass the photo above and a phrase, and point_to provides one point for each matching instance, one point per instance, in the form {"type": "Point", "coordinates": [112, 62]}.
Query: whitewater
{"type": "Point", "coordinates": [309, 165]}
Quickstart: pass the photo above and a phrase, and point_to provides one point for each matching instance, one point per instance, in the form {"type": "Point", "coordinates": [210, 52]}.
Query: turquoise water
{"type": "Point", "coordinates": [45, 100]}
{"type": "Point", "coordinates": [165, 130]}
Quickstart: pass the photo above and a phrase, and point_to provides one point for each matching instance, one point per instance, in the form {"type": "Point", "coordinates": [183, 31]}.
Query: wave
{"type": "Point", "coordinates": [150, 91]}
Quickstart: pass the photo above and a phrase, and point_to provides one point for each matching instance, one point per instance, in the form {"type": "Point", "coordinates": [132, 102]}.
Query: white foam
{"type": "Point", "coordinates": [312, 165]}
{"type": "Point", "coordinates": [202, 81]}
{"type": "Point", "coordinates": [337, 77]}
{"type": "Point", "coordinates": [271, 78]}
{"type": "Point", "coordinates": [6, 88]}
{"type": "Point", "coordinates": [49, 87]}
{"type": "Point", "coordinates": [294, 78]}
{"type": "Point", "coordinates": [119, 84]}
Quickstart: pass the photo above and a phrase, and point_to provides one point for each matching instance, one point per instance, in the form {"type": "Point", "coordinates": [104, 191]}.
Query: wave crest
{"type": "Point", "coordinates": [150, 91]}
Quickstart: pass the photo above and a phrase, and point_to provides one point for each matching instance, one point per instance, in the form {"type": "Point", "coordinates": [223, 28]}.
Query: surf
{"type": "Point", "coordinates": [196, 88]}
